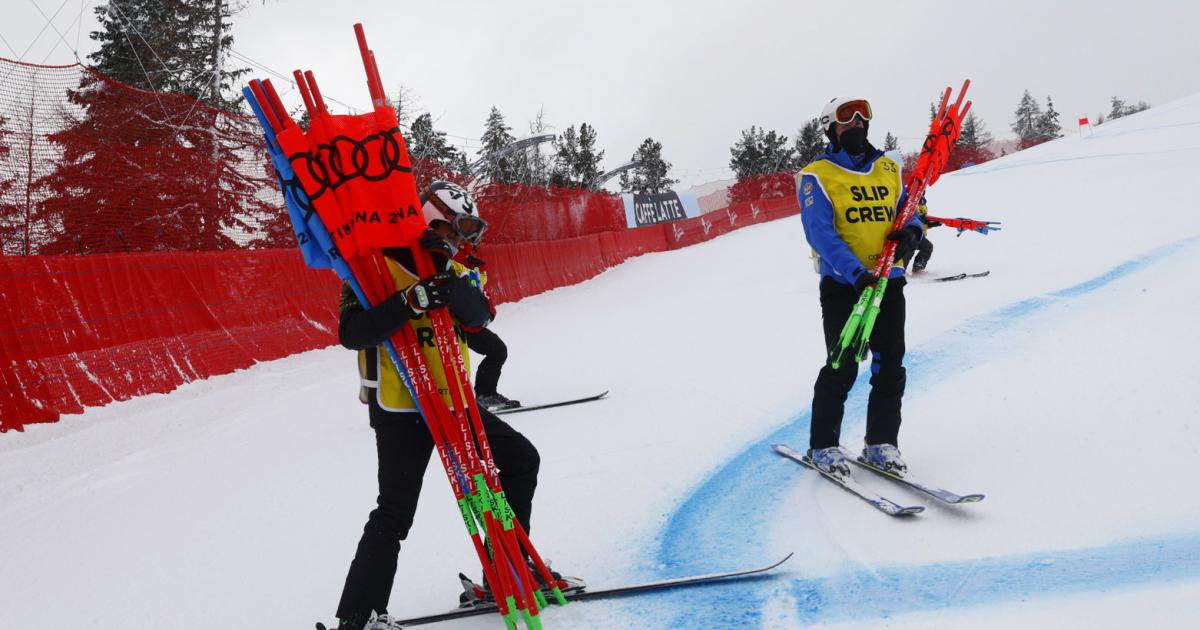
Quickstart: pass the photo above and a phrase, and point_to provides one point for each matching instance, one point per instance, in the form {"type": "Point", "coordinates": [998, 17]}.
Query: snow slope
{"type": "Point", "coordinates": [1062, 386]}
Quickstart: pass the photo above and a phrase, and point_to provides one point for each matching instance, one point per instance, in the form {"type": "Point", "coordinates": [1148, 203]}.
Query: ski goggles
{"type": "Point", "coordinates": [471, 228]}
{"type": "Point", "coordinates": [846, 112]}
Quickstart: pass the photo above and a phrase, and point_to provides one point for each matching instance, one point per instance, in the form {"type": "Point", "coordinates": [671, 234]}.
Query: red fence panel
{"type": "Point", "coordinates": [81, 331]}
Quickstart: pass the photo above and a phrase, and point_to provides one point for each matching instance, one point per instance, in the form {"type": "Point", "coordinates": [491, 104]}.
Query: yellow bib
{"type": "Point", "coordinates": [864, 204]}
{"type": "Point", "coordinates": [391, 394]}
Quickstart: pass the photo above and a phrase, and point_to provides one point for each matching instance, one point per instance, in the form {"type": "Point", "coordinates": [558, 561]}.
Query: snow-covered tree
{"type": "Point", "coordinates": [973, 141]}
{"type": "Point", "coordinates": [496, 136]}
{"type": "Point", "coordinates": [1025, 122]}
{"type": "Point", "coordinates": [566, 155]}
{"type": "Point", "coordinates": [433, 157]}
{"type": "Point", "coordinates": [1047, 125]}
{"type": "Point", "coordinates": [158, 172]}
{"type": "Point", "coordinates": [1118, 109]}
{"type": "Point", "coordinates": [587, 162]}
{"type": "Point", "coordinates": [651, 176]}
{"type": "Point", "coordinates": [890, 142]}
{"type": "Point", "coordinates": [810, 143]}
{"type": "Point", "coordinates": [760, 152]}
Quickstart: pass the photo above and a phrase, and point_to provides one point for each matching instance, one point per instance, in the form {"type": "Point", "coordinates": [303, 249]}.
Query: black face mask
{"type": "Point", "coordinates": [854, 140]}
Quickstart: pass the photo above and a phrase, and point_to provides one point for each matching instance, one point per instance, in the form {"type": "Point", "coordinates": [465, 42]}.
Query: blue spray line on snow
{"type": "Point", "coordinates": [897, 590]}
{"type": "Point", "coordinates": [721, 521]}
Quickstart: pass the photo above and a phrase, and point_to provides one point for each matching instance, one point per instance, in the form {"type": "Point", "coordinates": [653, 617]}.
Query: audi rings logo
{"type": "Point", "coordinates": [374, 158]}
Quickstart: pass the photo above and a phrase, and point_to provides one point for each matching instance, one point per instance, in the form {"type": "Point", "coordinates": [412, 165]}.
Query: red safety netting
{"type": "Point", "coordinates": [81, 331]}
{"type": "Point", "coordinates": [89, 165]}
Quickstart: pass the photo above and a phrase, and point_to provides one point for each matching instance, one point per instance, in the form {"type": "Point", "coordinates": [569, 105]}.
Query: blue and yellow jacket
{"type": "Point", "coordinates": [848, 204]}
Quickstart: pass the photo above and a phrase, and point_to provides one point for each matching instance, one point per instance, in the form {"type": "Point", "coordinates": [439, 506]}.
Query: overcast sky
{"type": "Point", "coordinates": [693, 74]}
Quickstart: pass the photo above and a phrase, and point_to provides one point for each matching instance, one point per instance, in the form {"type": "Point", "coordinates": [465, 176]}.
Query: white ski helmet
{"type": "Point", "coordinates": [449, 202]}
{"type": "Point", "coordinates": [843, 110]}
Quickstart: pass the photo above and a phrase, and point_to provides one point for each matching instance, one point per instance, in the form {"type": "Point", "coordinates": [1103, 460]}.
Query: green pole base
{"type": "Point", "coordinates": [533, 622]}
{"type": "Point", "coordinates": [559, 597]}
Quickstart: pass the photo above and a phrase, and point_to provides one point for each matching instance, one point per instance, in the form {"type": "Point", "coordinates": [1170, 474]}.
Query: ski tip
{"type": "Point", "coordinates": [971, 498]}
{"type": "Point", "coordinates": [912, 509]}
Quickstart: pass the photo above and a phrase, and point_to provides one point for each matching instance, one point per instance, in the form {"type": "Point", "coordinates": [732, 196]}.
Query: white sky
{"type": "Point", "coordinates": [693, 74]}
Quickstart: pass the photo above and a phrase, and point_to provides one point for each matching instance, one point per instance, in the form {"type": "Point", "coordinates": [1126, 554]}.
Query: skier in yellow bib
{"type": "Point", "coordinates": [402, 442]}
{"type": "Point", "coordinates": [849, 199]}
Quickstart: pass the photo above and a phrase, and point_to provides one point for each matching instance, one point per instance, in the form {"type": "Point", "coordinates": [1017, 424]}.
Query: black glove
{"type": "Point", "coordinates": [441, 249]}
{"type": "Point", "coordinates": [864, 279]}
{"type": "Point", "coordinates": [472, 261]}
{"type": "Point", "coordinates": [907, 240]}
{"type": "Point", "coordinates": [468, 304]}
{"type": "Point", "coordinates": [429, 293]}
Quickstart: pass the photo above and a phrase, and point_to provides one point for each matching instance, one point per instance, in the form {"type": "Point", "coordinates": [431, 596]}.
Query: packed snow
{"type": "Point", "coordinates": [1063, 386]}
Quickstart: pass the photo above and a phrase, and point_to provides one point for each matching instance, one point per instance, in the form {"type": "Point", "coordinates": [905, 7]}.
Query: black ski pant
{"type": "Point", "coordinates": [887, 367]}
{"type": "Point", "coordinates": [924, 251]}
{"type": "Point", "coordinates": [494, 352]}
{"type": "Point", "coordinates": [404, 447]}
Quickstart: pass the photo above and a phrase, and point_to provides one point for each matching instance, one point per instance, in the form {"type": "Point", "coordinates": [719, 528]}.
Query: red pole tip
{"type": "Point", "coordinates": [309, 105]}
{"type": "Point", "coordinates": [277, 103]}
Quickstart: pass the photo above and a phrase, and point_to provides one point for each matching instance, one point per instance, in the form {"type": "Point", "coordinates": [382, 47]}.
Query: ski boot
{"type": "Point", "coordinates": [569, 585]}
{"type": "Point", "coordinates": [831, 461]}
{"type": "Point", "coordinates": [885, 457]}
{"type": "Point", "coordinates": [495, 402]}
{"type": "Point", "coordinates": [474, 594]}
{"type": "Point", "coordinates": [374, 622]}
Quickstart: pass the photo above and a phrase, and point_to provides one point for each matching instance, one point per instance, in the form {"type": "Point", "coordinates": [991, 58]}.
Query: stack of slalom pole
{"type": "Point", "coordinates": [350, 192]}
{"type": "Point", "coordinates": [962, 224]}
{"type": "Point", "coordinates": [943, 133]}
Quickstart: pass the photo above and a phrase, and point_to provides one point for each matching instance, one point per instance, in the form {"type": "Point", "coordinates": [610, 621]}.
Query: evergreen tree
{"type": "Point", "coordinates": [651, 175]}
{"type": "Point", "coordinates": [810, 143]}
{"type": "Point", "coordinates": [157, 172]}
{"type": "Point", "coordinates": [1025, 123]}
{"type": "Point", "coordinates": [1118, 109]}
{"type": "Point", "coordinates": [587, 161]}
{"type": "Point", "coordinates": [760, 152]}
{"type": "Point", "coordinates": [932, 111]}
{"type": "Point", "coordinates": [496, 136]}
{"type": "Point", "coordinates": [973, 141]}
{"type": "Point", "coordinates": [764, 165]}
{"type": "Point", "coordinates": [890, 142]}
{"type": "Point", "coordinates": [433, 158]}
{"type": "Point", "coordinates": [974, 134]}
{"type": "Point", "coordinates": [1048, 127]}
{"type": "Point", "coordinates": [566, 156]}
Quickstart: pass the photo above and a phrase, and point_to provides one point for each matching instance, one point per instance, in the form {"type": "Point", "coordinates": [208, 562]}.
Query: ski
{"type": "Point", "coordinates": [562, 403]}
{"type": "Point", "coordinates": [887, 506]}
{"type": "Point", "coordinates": [605, 593]}
{"type": "Point", "coordinates": [961, 276]}
{"type": "Point", "coordinates": [935, 492]}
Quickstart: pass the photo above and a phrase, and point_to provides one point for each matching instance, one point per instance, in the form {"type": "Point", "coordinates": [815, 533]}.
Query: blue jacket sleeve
{"type": "Point", "coordinates": [816, 213]}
